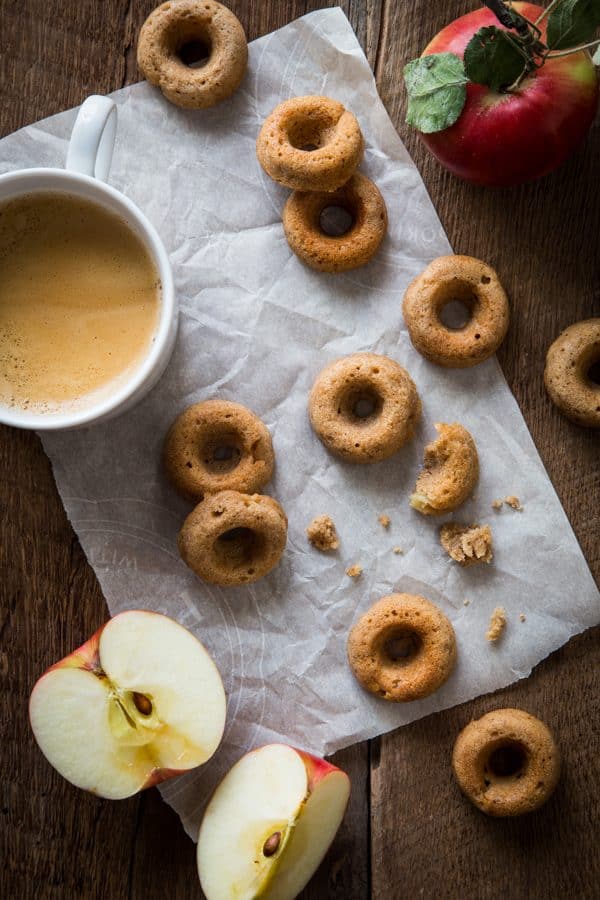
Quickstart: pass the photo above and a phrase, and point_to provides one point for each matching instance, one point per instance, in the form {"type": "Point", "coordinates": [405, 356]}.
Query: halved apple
{"type": "Point", "coordinates": [141, 701]}
{"type": "Point", "coordinates": [269, 824]}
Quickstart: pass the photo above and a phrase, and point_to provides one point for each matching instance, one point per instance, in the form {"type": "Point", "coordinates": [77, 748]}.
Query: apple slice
{"type": "Point", "coordinates": [141, 701]}
{"type": "Point", "coordinates": [269, 824]}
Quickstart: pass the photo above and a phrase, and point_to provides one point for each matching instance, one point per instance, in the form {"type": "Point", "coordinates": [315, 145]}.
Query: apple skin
{"type": "Point", "coordinates": [506, 139]}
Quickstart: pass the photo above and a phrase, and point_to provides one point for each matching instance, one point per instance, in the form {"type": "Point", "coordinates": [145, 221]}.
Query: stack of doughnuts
{"type": "Point", "coordinates": [218, 454]}
{"type": "Point", "coordinates": [314, 145]}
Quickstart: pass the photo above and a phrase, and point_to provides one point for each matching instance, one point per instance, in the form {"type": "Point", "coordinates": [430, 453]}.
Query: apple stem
{"type": "Point", "coordinates": [571, 50]}
{"type": "Point", "coordinates": [547, 11]}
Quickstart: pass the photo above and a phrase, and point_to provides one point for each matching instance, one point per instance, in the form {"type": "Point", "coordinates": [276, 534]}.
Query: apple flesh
{"type": "Point", "coordinates": [269, 824]}
{"type": "Point", "coordinates": [507, 138]}
{"type": "Point", "coordinates": [141, 701]}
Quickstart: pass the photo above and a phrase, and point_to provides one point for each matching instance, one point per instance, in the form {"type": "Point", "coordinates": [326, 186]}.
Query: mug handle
{"type": "Point", "coordinates": [93, 138]}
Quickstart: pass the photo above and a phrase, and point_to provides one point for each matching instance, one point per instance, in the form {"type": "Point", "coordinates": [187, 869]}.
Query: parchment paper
{"type": "Point", "coordinates": [257, 327]}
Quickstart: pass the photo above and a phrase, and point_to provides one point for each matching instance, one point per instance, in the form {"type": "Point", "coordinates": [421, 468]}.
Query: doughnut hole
{"type": "Point", "coordinates": [195, 52]}
{"type": "Point", "coordinates": [308, 133]}
{"type": "Point", "coordinates": [220, 452]}
{"type": "Point", "coordinates": [455, 303]}
{"type": "Point", "coordinates": [238, 547]}
{"type": "Point", "coordinates": [505, 761]}
{"type": "Point", "coordinates": [401, 646]}
{"type": "Point", "coordinates": [336, 221]}
{"type": "Point", "coordinates": [361, 404]}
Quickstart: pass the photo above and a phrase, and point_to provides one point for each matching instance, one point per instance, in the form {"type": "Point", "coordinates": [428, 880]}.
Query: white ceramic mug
{"type": "Point", "coordinates": [87, 165]}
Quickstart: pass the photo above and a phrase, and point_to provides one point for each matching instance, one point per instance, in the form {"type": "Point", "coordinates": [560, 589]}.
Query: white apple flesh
{"type": "Point", "coordinates": [141, 701]}
{"type": "Point", "coordinates": [269, 824]}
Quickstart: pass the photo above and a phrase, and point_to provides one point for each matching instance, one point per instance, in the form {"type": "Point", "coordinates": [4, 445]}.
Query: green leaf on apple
{"type": "Point", "coordinates": [572, 22]}
{"type": "Point", "coordinates": [437, 92]}
{"type": "Point", "coordinates": [493, 58]}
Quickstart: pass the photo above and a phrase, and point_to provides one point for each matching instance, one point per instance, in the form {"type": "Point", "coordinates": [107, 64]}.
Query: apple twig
{"type": "Point", "coordinates": [547, 11]}
{"type": "Point", "coordinates": [557, 54]}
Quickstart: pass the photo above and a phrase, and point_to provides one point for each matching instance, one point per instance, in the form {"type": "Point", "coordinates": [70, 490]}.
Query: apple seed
{"type": "Point", "coordinates": [143, 704]}
{"type": "Point", "coordinates": [271, 845]}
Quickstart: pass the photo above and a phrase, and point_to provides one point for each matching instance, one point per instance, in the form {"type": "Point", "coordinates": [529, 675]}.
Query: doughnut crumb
{"type": "Point", "coordinates": [354, 571]}
{"type": "Point", "coordinates": [467, 544]}
{"type": "Point", "coordinates": [522, 617]}
{"type": "Point", "coordinates": [514, 503]}
{"type": "Point", "coordinates": [322, 534]}
{"type": "Point", "coordinates": [384, 520]}
{"type": "Point", "coordinates": [497, 624]}
{"type": "Point", "coordinates": [497, 504]}
{"type": "Point", "coordinates": [398, 550]}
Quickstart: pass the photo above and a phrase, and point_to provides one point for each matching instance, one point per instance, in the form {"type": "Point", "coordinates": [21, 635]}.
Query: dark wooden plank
{"type": "Point", "coordinates": [544, 240]}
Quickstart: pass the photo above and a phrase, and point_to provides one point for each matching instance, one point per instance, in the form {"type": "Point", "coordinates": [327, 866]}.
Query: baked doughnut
{"type": "Point", "coordinates": [217, 445]}
{"type": "Point", "coordinates": [177, 23]}
{"type": "Point", "coordinates": [361, 199]}
{"type": "Point", "coordinates": [507, 763]}
{"type": "Point", "coordinates": [310, 144]}
{"type": "Point", "coordinates": [450, 471]}
{"type": "Point", "coordinates": [232, 538]}
{"type": "Point", "coordinates": [364, 407]}
{"type": "Point", "coordinates": [474, 284]}
{"type": "Point", "coordinates": [403, 648]}
{"type": "Point", "coordinates": [567, 375]}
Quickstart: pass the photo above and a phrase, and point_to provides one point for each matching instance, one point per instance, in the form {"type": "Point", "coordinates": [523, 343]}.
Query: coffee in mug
{"type": "Point", "coordinates": [79, 302]}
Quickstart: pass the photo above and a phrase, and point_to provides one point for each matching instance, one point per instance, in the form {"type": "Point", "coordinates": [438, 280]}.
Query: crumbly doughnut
{"type": "Point", "coordinates": [467, 544]}
{"type": "Point", "coordinates": [232, 538]}
{"type": "Point", "coordinates": [364, 407]}
{"type": "Point", "coordinates": [327, 253]}
{"type": "Point", "coordinates": [477, 286]}
{"type": "Point", "coordinates": [568, 365]}
{"type": "Point", "coordinates": [218, 445]}
{"type": "Point", "coordinates": [403, 648]}
{"type": "Point", "coordinates": [450, 471]}
{"type": "Point", "coordinates": [176, 23]}
{"type": "Point", "coordinates": [507, 763]}
{"type": "Point", "coordinates": [294, 127]}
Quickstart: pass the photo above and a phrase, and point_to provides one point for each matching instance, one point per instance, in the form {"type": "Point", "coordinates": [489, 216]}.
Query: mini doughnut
{"type": "Point", "coordinates": [361, 199]}
{"type": "Point", "coordinates": [450, 471]}
{"type": "Point", "coordinates": [176, 23]}
{"type": "Point", "coordinates": [217, 445]}
{"type": "Point", "coordinates": [403, 648]}
{"type": "Point", "coordinates": [507, 763]}
{"type": "Point", "coordinates": [310, 144]}
{"type": "Point", "coordinates": [232, 538]}
{"type": "Point", "coordinates": [477, 286]}
{"type": "Point", "coordinates": [567, 375]}
{"type": "Point", "coordinates": [364, 407]}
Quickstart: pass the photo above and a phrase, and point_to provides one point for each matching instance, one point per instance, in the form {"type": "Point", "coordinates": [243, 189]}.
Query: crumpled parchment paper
{"type": "Point", "coordinates": [257, 327]}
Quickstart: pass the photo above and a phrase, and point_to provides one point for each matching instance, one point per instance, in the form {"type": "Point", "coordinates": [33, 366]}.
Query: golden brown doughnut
{"type": "Point", "coordinates": [218, 445]}
{"type": "Point", "coordinates": [232, 538]}
{"type": "Point", "coordinates": [403, 648]}
{"type": "Point", "coordinates": [310, 144]}
{"type": "Point", "coordinates": [568, 364]}
{"type": "Point", "coordinates": [364, 407]}
{"type": "Point", "coordinates": [477, 286]}
{"type": "Point", "coordinates": [327, 253]}
{"type": "Point", "coordinates": [450, 471]}
{"type": "Point", "coordinates": [507, 763]}
{"type": "Point", "coordinates": [176, 23]}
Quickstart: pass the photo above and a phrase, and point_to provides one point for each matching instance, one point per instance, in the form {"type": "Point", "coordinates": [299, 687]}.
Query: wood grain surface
{"type": "Point", "coordinates": [408, 832]}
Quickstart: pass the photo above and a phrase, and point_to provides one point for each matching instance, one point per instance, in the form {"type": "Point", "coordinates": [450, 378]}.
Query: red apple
{"type": "Point", "coordinates": [140, 702]}
{"type": "Point", "coordinates": [507, 138]}
{"type": "Point", "coordinates": [269, 824]}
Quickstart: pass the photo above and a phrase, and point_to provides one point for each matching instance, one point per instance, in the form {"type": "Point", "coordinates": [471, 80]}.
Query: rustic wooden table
{"type": "Point", "coordinates": [408, 832]}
